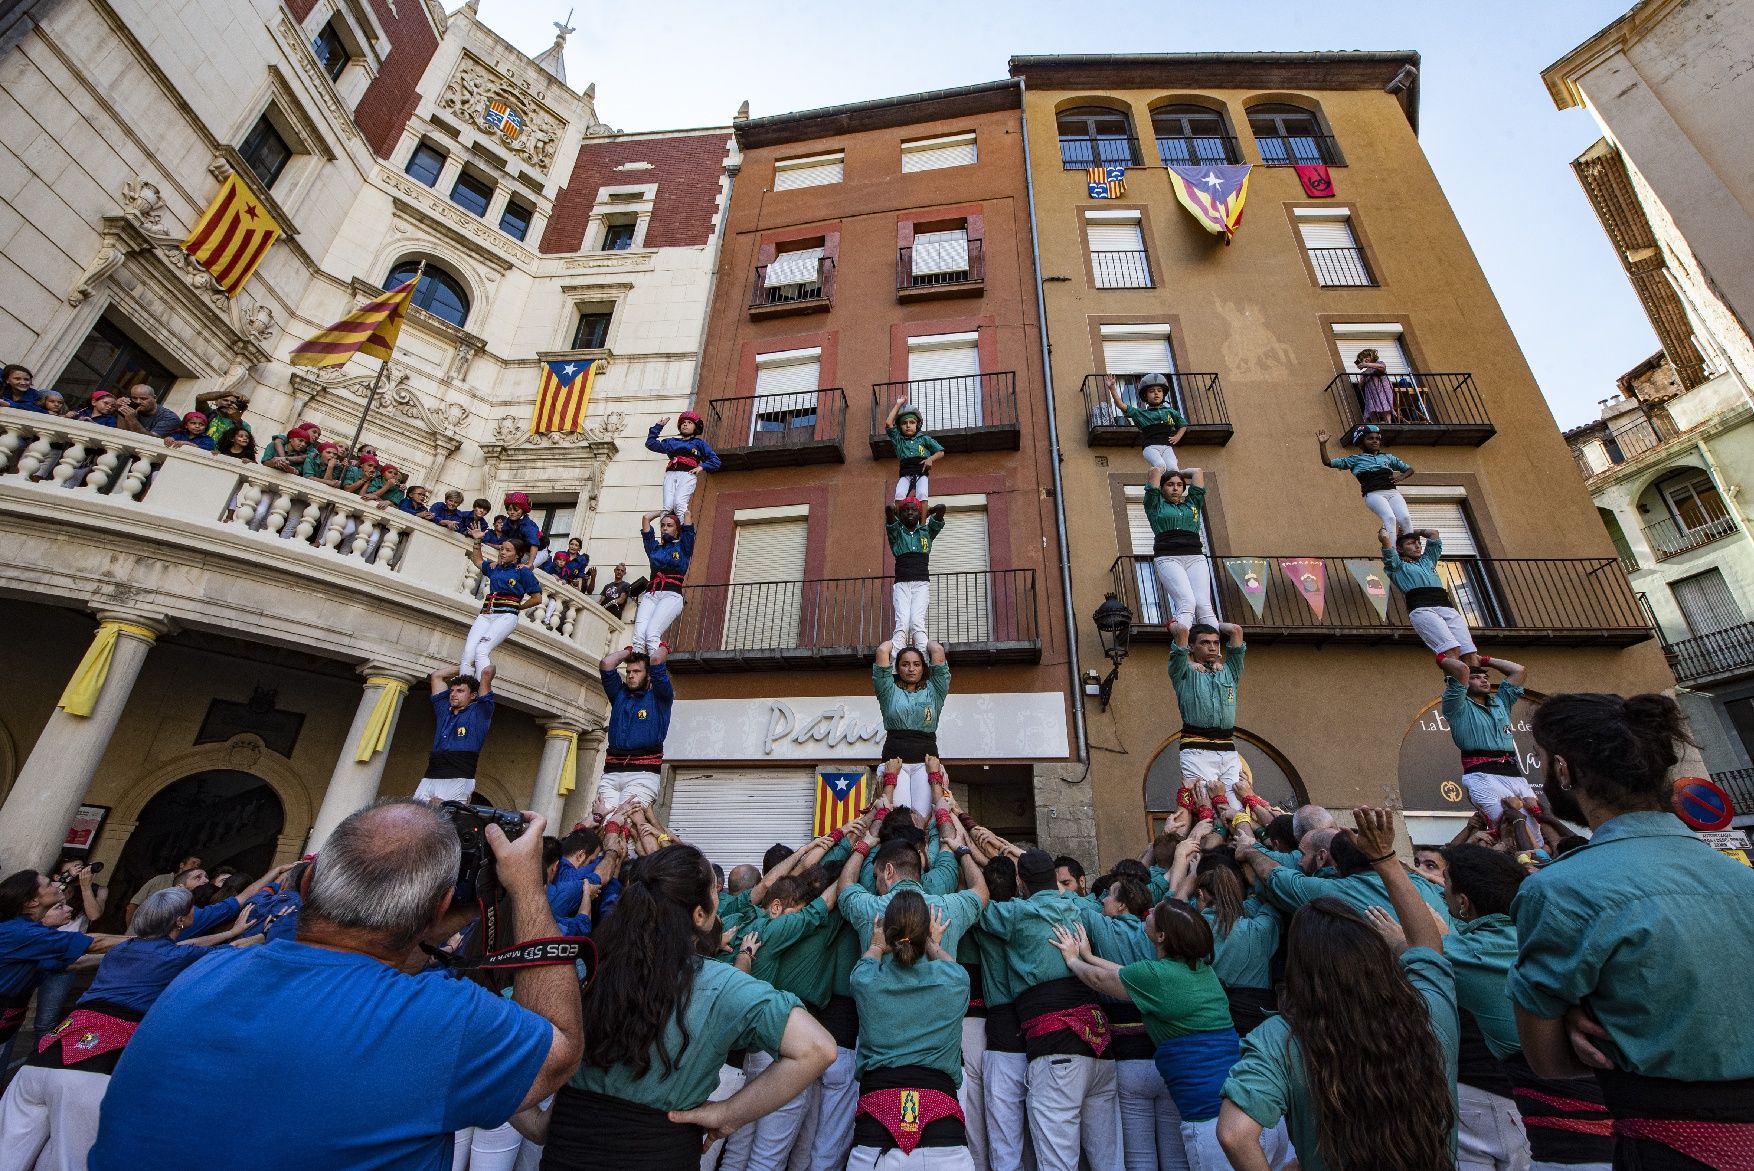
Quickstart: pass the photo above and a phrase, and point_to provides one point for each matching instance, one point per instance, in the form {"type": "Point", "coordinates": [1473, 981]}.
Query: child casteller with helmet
{"type": "Point", "coordinates": [1161, 426]}
{"type": "Point", "coordinates": [916, 450]}
{"type": "Point", "coordinates": [519, 527]}
{"type": "Point", "coordinates": [690, 455]}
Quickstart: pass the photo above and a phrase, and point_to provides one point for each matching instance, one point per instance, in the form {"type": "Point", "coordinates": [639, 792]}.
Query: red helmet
{"type": "Point", "coordinates": [517, 500]}
{"type": "Point", "coordinates": [913, 500]}
{"type": "Point", "coordinates": [690, 417]}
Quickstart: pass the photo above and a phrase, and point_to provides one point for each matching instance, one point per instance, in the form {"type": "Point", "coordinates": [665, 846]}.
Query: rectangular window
{"type": "Point", "coordinates": [787, 390]}
{"type": "Point", "coordinates": [813, 171]}
{"type": "Point", "coordinates": [426, 164]}
{"type": "Point", "coordinates": [1463, 569]}
{"type": "Point", "coordinates": [331, 53]}
{"type": "Point", "coordinates": [767, 579]}
{"type": "Point", "coordinates": [472, 194]}
{"type": "Point", "coordinates": [618, 237]}
{"type": "Point", "coordinates": [931, 154]}
{"type": "Point", "coordinates": [514, 221]}
{"type": "Point", "coordinates": [733, 817]}
{"type": "Point", "coordinates": [265, 152]}
{"type": "Point", "coordinates": [108, 358]}
{"type": "Point", "coordinates": [1694, 502]}
{"type": "Point", "coordinates": [1117, 250]}
{"type": "Point", "coordinates": [1333, 248]}
{"type": "Point", "coordinates": [1130, 352]}
{"type": "Point", "coordinates": [940, 257]}
{"type": "Point", "coordinates": [962, 603]}
{"type": "Point", "coordinates": [592, 331]}
{"type": "Point", "coordinates": [794, 276]}
{"type": "Point", "coordinates": [1385, 339]}
{"type": "Point", "coordinates": [944, 379]}
{"type": "Point", "coordinates": [1706, 603]}
{"type": "Point", "coordinates": [556, 519]}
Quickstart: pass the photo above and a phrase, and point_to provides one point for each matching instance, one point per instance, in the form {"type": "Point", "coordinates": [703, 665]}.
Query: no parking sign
{"type": "Point", "coordinates": [1702, 804]}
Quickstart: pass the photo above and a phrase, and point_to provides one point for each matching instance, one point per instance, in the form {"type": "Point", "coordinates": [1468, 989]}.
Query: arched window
{"type": "Point", "coordinates": [1188, 136]}
{"type": "Point", "coordinates": [1290, 136]}
{"type": "Point", "coordinates": [439, 293]}
{"type": "Point", "coordinates": [1097, 136]}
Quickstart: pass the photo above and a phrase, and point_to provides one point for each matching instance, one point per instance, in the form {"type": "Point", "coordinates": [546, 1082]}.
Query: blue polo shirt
{"type": "Point", "coordinates": [639, 720]}
{"type": "Point", "coordinates": [213, 917]}
{"type": "Point", "coordinates": [29, 952]}
{"type": "Point", "coordinates": [136, 972]}
{"type": "Point", "coordinates": [443, 513]}
{"type": "Point", "coordinates": [670, 558]}
{"type": "Point", "coordinates": [457, 737]}
{"type": "Point", "coordinates": [30, 400]}
{"type": "Point", "coordinates": [525, 530]}
{"type": "Point", "coordinates": [509, 581]}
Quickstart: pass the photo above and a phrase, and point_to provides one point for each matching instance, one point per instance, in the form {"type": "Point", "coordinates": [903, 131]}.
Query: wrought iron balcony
{"type": "Point", "coordinates": [1739, 784]}
{"type": "Point", "coordinates": [1121, 270]}
{"type": "Point", "coordinates": [1578, 601]}
{"type": "Point", "coordinates": [1080, 153]}
{"type": "Point", "coordinates": [1197, 396]}
{"type": "Point", "coordinates": [1297, 150]}
{"type": "Point", "coordinates": [965, 275]}
{"type": "Point", "coordinates": [812, 296]}
{"type": "Point", "coordinates": [779, 430]}
{"type": "Point", "coordinates": [1720, 655]}
{"type": "Point", "coordinates": [1432, 410]}
{"type": "Point", "coordinates": [1219, 150]}
{"type": "Point", "coordinates": [975, 412]}
{"type": "Point", "coordinates": [983, 617]}
{"type": "Point", "coordinates": [1341, 267]}
{"type": "Point", "coordinates": [1670, 537]}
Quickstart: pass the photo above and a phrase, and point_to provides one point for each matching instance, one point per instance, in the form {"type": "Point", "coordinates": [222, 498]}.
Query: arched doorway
{"type": "Point", "coordinates": [1263, 766]}
{"type": "Point", "coordinates": [1432, 797]}
{"type": "Point", "coordinates": [226, 816]}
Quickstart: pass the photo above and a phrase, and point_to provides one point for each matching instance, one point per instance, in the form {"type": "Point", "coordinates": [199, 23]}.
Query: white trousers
{"type": "Point", "coordinates": [48, 1119]}
{"type": "Point", "coordinates": [972, 1094]}
{"type": "Point", "coordinates": [1209, 765]}
{"type": "Point", "coordinates": [614, 788]}
{"type": "Point", "coordinates": [929, 1158]}
{"type": "Point", "coordinates": [1073, 1107]}
{"type": "Point", "coordinates": [1162, 457]}
{"type": "Point", "coordinates": [1200, 1139]}
{"type": "Point", "coordinates": [678, 491]}
{"type": "Point", "coordinates": [1186, 579]}
{"type": "Point", "coordinates": [1487, 792]}
{"type": "Point", "coordinates": [477, 1149]}
{"type": "Point", "coordinates": [444, 789]}
{"type": "Point", "coordinates": [731, 1080]}
{"type": "Point", "coordinates": [1151, 1127]}
{"type": "Point", "coordinates": [1489, 1132]}
{"type": "Point", "coordinates": [766, 1143]}
{"type": "Point", "coordinates": [1005, 1077]}
{"type": "Point", "coordinates": [485, 634]}
{"type": "Point", "coordinates": [913, 790]}
{"type": "Point", "coordinates": [1442, 627]}
{"type": "Point", "coordinates": [921, 486]}
{"type": "Point", "coordinates": [910, 600]}
{"type": "Point", "coordinates": [837, 1105]}
{"type": "Point", "coordinates": [1390, 508]}
{"type": "Point", "coordinates": [657, 610]}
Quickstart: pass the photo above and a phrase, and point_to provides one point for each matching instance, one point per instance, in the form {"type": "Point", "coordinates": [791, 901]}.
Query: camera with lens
{"type": "Point", "coordinates": [70, 876]}
{"type": "Point", "coordinates": [475, 868]}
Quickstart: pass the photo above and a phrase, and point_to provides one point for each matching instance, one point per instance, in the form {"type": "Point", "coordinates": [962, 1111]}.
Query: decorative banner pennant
{"type": "Point", "coordinates": [1369, 575]}
{"type": "Point", "coordinates": [1316, 182]}
{"type": "Point", "coordinates": [1310, 576]}
{"type": "Point", "coordinates": [1251, 578]}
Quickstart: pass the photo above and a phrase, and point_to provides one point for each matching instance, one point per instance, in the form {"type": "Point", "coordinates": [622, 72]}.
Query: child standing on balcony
{"type": "Point", "coordinates": [1374, 387]}
{"type": "Point", "coordinates": [690, 455]}
{"type": "Point", "coordinates": [668, 552]}
{"type": "Point", "coordinates": [916, 450]}
{"type": "Point", "coordinates": [1378, 472]}
{"type": "Point", "coordinates": [1160, 424]}
{"type": "Point", "coordinates": [1174, 507]}
{"type": "Point", "coordinates": [911, 533]}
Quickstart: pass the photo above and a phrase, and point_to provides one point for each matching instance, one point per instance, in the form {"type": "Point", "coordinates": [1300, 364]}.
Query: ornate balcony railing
{"type": "Point", "coordinates": [774, 430]}
{"type": "Point", "coordinates": [1739, 784]}
{"type": "Point", "coordinates": [1079, 153]}
{"type": "Point", "coordinates": [985, 617]}
{"type": "Point", "coordinates": [812, 296]}
{"type": "Point", "coordinates": [1579, 601]}
{"type": "Point", "coordinates": [1670, 537]}
{"type": "Point", "coordinates": [1428, 409]}
{"type": "Point", "coordinates": [947, 273]}
{"type": "Point", "coordinates": [1722, 654]}
{"type": "Point", "coordinates": [1341, 267]}
{"type": "Point", "coordinates": [1197, 396]}
{"type": "Point", "coordinates": [973, 412]}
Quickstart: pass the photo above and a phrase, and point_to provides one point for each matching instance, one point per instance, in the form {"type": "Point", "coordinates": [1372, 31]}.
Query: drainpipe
{"type": "Point", "coordinates": [1047, 375]}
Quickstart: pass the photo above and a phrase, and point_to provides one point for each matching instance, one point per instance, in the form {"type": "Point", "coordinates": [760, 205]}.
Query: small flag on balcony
{"type": "Point", "coordinates": [1213, 195]}
{"type": "Point", "coordinates": [1315, 180]}
{"type": "Point", "coordinates": [232, 235]}
{"type": "Point", "coordinates": [1369, 576]}
{"type": "Point", "coordinates": [1251, 579]}
{"type": "Point", "coordinates": [562, 396]}
{"type": "Point", "coordinates": [1107, 182]}
{"type": "Point", "coordinates": [370, 330]}
{"type": "Point", "coordinates": [1310, 576]}
{"type": "Point", "coordinates": [840, 797]}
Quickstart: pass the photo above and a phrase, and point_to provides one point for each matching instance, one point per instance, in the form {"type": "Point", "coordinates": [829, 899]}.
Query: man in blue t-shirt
{"type": "Point", "coordinates": [462, 708]}
{"type": "Point", "coordinates": [392, 1064]}
{"type": "Point", "coordinates": [639, 719]}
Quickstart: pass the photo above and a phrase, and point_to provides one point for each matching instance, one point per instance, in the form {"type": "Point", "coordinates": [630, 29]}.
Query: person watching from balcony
{"type": "Point", "coordinates": [414, 503]}
{"type": "Point", "coordinates": [238, 443]}
{"type": "Point", "coordinates": [1378, 472]}
{"type": "Point", "coordinates": [570, 563]}
{"type": "Point", "coordinates": [616, 591]}
{"type": "Point", "coordinates": [1611, 977]}
{"type": "Point", "coordinates": [16, 390]}
{"type": "Point", "coordinates": [1374, 388]}
{"type": "Point", "coordinates": [192, 434]}
{"type": "Point", "coordinates": [511, 589]}
{"type": "Point", "coordinates": [521, 526]}
{"type": "Point", "coordinates": [668, 551]}
{"type": "Point", "coordinates": [690, 455]}
{"type": "Point", "coordinates": [360, 471]}
{"type": "Point", "coordinates": [916, 450]}
{"type": "Point", "coordinates": [449, 513]}
{"type": "Point", "coordinates": [1205, 670]}
{"type": "Point", "coordinates": [911, 528]}
{"type": "Point", "coordinates": [140, 411]}
{"type": "Point", "coordinates": [324, 463]}
{"type": "Point", "coordinates": [1175, 507]}
{"type": "Point", "coordinates": [225, 410]}
{"type": "Point", "coordinates": [100, 408]}
{"type": "Point", "coordinates": [1481, 722]}
{"type": "Point", "coordinates": [1431, 610]}
{"type": "Point", "coordinates": [286, 453]}
{"type": "Point", "coordinates": [385, 488]}
{"type": "Point", "coordinates": [1161, 426]}
{"type": "Point", "coordinates": [462, 709]}
{"type": "Point", "coordinates": [639, 719]}
{"type": "Point", "coordinates": [51, 402]}
{"type": "Point", "coordinates": [911, 693]}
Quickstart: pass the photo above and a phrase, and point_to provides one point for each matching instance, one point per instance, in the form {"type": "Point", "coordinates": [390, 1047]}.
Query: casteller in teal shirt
{"type": "Point", "coordinates": [911, 711]}
{"type": "Point", "coordinates": [1207, 698]}
{"type": "Point", "coordinates": [910, 1014]}
{"type": "Point", "coordinates": [1476, 727]}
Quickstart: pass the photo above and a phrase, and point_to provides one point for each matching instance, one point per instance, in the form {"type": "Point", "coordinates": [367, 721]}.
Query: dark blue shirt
{"type": "Point", "coordinates": [525, 530]}
{"type": "Point", "coordinates": [514, 581]}
{"type": "Point", "coordinates": [464, 731]}
{"type": "Point", "coordinates": [694, 448]}
{"type": "Point", "coordinates": [136, 971]}
{"type": "Point", "coordinates": [566, 897]}
{"type": "Point", "coordinates": [209, 919]}
{"type": "Point", "coordinates": [443, 513]}
{"type": "Point", "coordinates": [30, 400]}
{"type": "Point", "coordinates": [670, 557]}
{"type": "Point", "coordinates": [639, 720]}
{"type": "Point", "coordinates": [279, 905]}
{"type": "Point", "coordinates": [86, 416]}
{"type": "Point", "coordinates": [29, 951]}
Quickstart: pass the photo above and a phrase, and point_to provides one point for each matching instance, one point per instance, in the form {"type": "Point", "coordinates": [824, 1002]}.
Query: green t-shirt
{"type": "Point", "coordinates": [1207, 698]}
{"type": "Point", "coordinates": [795, 952]}
{"type": "Point", "coordinates": [918, 447]}
{"type": "Point", "coordinates": [912, 711]}
{"type": "Point", "coordinates": [997, 986]}
{"type": "Point", "coordinates": [1166, 516]}
{"type": "Point", "coordinates": [861, 908]}
{"type": "Point", "coordinates": [1120, 938]}
{"type": "Point", "coordinates": [1143, 416]}
{"type": "Point", "coordinates": [728, 1010]}
{"type": "Point", "coordinates": [917, 539]}
{"type": "Point", "coordinates": [1289, 889]}
{"type": "Point", "coordinates": [1244, 958]}
{"type": "Point", "coordinates": [1176, 1000]}
{"type": "Point", "coordinates": [910, 1015]}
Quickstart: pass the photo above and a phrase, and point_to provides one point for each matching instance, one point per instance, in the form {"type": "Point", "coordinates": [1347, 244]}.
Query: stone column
{"type": "Point", "coordinates": [58, 772]}
{"type": "Point", "coordinates": [354, 783]}
{"type": "Point", "coordinates": [578, 802]}
{"type": "Point", "coordinates": [545, 798]}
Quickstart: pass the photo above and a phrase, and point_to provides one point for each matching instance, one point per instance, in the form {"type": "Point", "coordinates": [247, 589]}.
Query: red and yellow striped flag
{"type": "Point", "coordinates": [232, 235]}
{"type": "Point", "coordinates": [840, 797]}
{"type": "Point", "coordinates": [370, 330]}
{"type": "Point", "coordinates": [562, 396]}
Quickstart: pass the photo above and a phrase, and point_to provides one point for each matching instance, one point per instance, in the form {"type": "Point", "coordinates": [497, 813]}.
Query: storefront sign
{"type": "Point", "coordinates": [982, 726]}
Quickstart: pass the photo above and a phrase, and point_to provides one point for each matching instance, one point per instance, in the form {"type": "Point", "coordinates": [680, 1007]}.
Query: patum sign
{"type": "Point", "coordinates": [833, 727]}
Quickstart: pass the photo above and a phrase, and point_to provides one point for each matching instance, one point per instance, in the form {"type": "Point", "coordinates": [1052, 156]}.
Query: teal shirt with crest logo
{"type": "Point", "coordinates": [1207, 698]}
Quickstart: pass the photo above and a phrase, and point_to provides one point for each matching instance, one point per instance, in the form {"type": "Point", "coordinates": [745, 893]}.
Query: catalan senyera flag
{"type": "Point", "coordinates": [840, 797]}
{"type": "Point", "coordinates": [562, 396]}
{"type": "Point", "coordinates": [1107, 182]}
{"type": "Point", "coordinates": [1213, 194]}
{"type": "Point", "coordinates": [232, 235]}
{"type": "Point", "coordinates": [370, 330]}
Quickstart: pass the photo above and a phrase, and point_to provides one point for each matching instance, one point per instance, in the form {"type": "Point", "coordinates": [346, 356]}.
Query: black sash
{"type": "Point", "coordinates": [913, 467]}
{"type": "Point", "coordinates": [90, 1039]}
{"type": "Point", "coordinates": [1157, 434]}
{"type": "Point", "coordinates": [1633, 1099]}
{"type": "Point", "coordinates": [1566, 1119]}
{"type": "Point", "coordinates": [1175, 543]}
{"type": "Point", "coordinates": [1004, 1029]}
{"type": "Point", "coordinates": [912, 746]}
{"type": "Point", "coordinates": [1475, 1065]}
{"type": "Point", "coordinates": [945, 1132]}
{"type": "Point", "coordinates": [1376, 480]}
{"type": "Point", "coordinates": [1420, 597]}
{"type": "Point", "coordinates": [449, 765]}
{"type": "Point", "coordinates": [976, 1006]}
{"type": "Point", "coordinates": [912, 567]}
{"type": "Point", "coordinates": [12, 1010]}
{"type": "Point", "coordinates": [1131, 1041]}
{"type": "Point", "coordinates": [1250, 1007]}
{"type": "Point", "coordinates": [840, 1016]}
{"type": "Point", "coordinates": [589, 1131]}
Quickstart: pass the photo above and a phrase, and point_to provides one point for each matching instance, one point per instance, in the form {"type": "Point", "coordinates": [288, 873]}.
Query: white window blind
{"type": "Point", "coordinates": [1444, 509]}
{"type": "Point", "coordinates": [770, 550]}
{"type": "Point", "coordinates": [814, 171]}
{"type": "Point", "coordinates": [734, 817]}
{"type": "Point", "coordinates": [962, 609]}
{"type": "Point", "coordinates": [1117, 250]}
{"type": "Point", "coordinates": [940, 252]}
{"type": "Point", "coordinates": [945, 372]}
{"type": "Point", "coordinates": [1327, 232]}
{"type": "Point", "coordinates": [1115, 235]}
{"type": "Point", "coordinates": [798, 267]}
{"type": "Point", "coordinates": [1137, 349]}
{"type": "Point", "coordinates": [1384, 339]}
{"type": "Point", "coordinates": [786, 386]}
{"type": "Point", "coordinates": [931, 154]}
{"type": "Point", "coordinates": [767, 584]}
{"type": "Point", "coordinates": [1595, 455]}
{"type": "Point", "coordinates": [1706, 602]}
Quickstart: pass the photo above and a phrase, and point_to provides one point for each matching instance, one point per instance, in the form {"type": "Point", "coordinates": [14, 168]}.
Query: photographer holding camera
{"type": "Point", "coordinates": [77, 879]}
{"type": "Point", "coordinates": [393, 1062]}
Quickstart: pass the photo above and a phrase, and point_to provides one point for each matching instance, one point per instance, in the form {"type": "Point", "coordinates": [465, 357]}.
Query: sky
{"type": "Point", "coordinates": [1498, 145]}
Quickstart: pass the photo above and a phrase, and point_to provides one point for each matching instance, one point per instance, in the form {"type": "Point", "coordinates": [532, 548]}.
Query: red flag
{"type": "Point", "coordinates": [1316, 183]}
{"type": "Point", "coordinates": [1310, 575]}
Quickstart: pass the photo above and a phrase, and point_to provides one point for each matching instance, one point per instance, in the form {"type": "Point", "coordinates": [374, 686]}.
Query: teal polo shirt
{"type": "Point", "coordinates": [910, 1015]}
{"type": "Point", "coordinates": [1027, 928]}
{"type": "Point", "coordinates": [1417, 574]}
{"type": "Point", "coordinates": [912, 711]}
{"type": "Point", "coordinates": [997, 985]}
{"type": "Point", "coordinates": [1244, 958]}
{"type": "Point", "coordinates": [1207, 698]}
{"type": "Point", "coordinates": [861, 908]}
{"type": "Point", "coordinates": [1290, 889]}
{"type": "Point", "coordinates": [1119, 938]}
{"type": "Point", "coordinates": [1654, 931]}
{"type": "Point", "coordinates": [1482, 951]}
{"type": "Point", "coordinates": [1477, 727]}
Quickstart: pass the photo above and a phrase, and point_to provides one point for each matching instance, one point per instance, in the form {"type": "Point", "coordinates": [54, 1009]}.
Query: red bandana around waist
{"type": "Point", "coordinates": [86, 1034]}
{"type": "Point", "coordinates": [1726, 1146]}
{"type": "Point", "coordinates": [1089, 1022]}
{"type": "Point", "coordinates": [905, 1114]}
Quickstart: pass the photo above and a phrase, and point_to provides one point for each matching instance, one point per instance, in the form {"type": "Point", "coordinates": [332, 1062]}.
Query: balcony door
{"type": "Point", "coordinates": [767, 580]}
{"type": "Point", "coordinates": [1463, 570]}
{"type": "Point", "coordinates": [944, 376]}
{"type": "Point", "coordinates": [786, 396]}
{"type": "Point", "coordinates": [1706, 603]}
{"type": "Point", "coordinates": [1129, 352]}
{"type": "Point", "coordinates": [962, 602]}
{"type": "Point", "coordinates": [1694, 502]}
{"type": "Point", "coordinates": [1412, 405]}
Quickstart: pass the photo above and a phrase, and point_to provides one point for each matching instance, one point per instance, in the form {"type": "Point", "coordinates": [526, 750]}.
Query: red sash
{"type": "Point", "coordinates": [683, 463]}
{"type": "Point", "coordinates": [666, 582]}
{"type": "Point", "coordinates": [1089, 1022]}
{"type": "Point", "coordinates": [1726, 1146]}
{"type": "Point", "coordinates": [905, 1114]}
{"type": "Point", "coordinates": [86, 1034]}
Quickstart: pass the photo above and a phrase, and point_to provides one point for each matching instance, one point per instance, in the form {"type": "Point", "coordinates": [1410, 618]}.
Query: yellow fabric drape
{"type": "Point", "coordinates": [382, 721]}
{"type": "Point", "coordinates": [80, 696]}
{"type": "Point", "coordinates": [569, 768]}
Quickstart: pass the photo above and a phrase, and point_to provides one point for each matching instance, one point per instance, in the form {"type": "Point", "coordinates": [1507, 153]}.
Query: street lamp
{"type": "Point", "coordinates": [1114, 626]}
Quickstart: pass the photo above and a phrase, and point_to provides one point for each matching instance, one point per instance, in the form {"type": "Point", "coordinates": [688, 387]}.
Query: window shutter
{"type": "Point", "coordinates": [1116, 237]}
{"type": "Point", "coordinates": [770, 550]}
{"type": "Point", "coordinates": [794, 375]}
{"type": "Point", "coordinates": [816, 171]}
{"type": "Point", "coordinates": [937, 252]}
{"type": "Point", "coordinates": [931, 154]}
{"type": "Point", "coordinates": [1447, 516]}
{"type": "Point", "coordinates": [799, 267]}
{"type": "Point", "coordinates": [945, 370]}
{"type": "Point", "coordinates": [1327, 232]}
{"type": "Point", "coordinates": [1138, 527]}
{"type": "Point", "coordinates": [1386, 343]}
{"type": "Point", "coordinates": [962, 606]}
{"type": "Point", "coordinates": [1142, 349]}
{"type": "Point", "coordinates": [767, 584]}
{"type": "Point", "coordinates": [1706, 602]}
{"type": "Point", "coordinates": [734, 818]}
{"type": "Point", "coordinates": [1595, 454]}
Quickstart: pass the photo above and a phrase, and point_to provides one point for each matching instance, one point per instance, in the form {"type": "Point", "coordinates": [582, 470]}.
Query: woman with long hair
{"type": "Point", "coordinates": [1362, 1062]}
{"type": "Point", "coordinates": [912, 995]}
{"type": "Point", "coordinates": [911, 694]}
{"type": "Point", "coordinates": [1244, 941]}
{"type": "Point", "coordinates": [661, 1020]}
{"type": "Point", "coordinates": [1626, 948]}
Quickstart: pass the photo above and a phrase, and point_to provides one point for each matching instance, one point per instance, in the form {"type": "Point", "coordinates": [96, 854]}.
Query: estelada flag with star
{"type": "Point", "coordinates": [1213, 195]}
{"type": "Point", "coordinates": [232, 235]}
{"type": "Point", "coordinates": [562, 396]}
{"type": "Point", "coordinates": [840, 797]}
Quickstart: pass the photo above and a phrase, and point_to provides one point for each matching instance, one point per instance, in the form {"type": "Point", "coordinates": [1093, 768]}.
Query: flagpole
{"type": "Point", "coordinates": [371, 395]}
